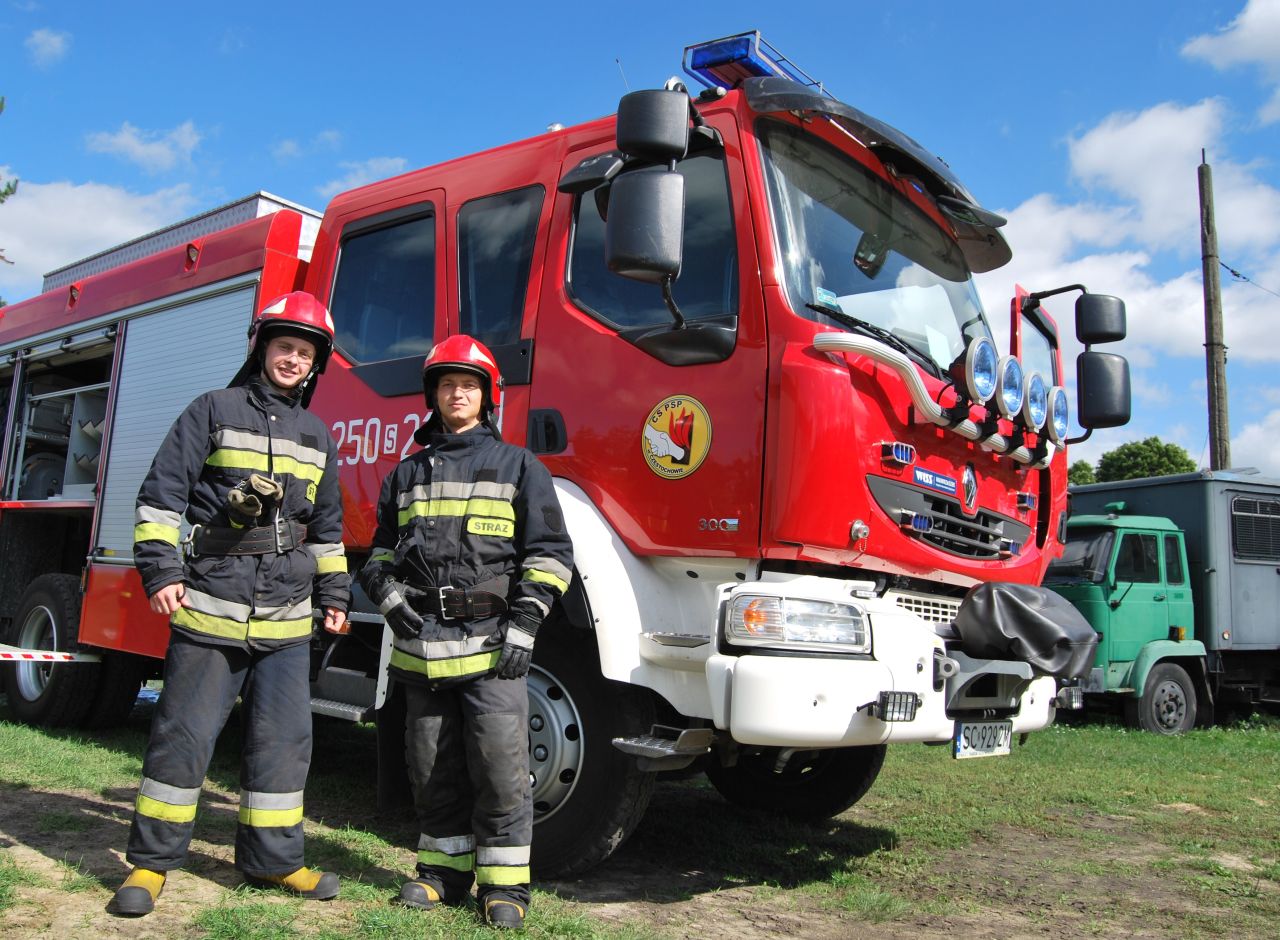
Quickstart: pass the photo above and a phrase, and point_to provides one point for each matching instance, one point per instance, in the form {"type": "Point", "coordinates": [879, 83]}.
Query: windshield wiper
{"type": "Point", "coordinates": [890, 339]}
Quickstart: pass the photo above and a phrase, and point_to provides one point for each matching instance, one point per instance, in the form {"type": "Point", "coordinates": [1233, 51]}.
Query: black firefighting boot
{"type": "Point", "coordinates": [499, 912]}
{"type": "Point", "coordinates": [137, 896]}
{"type": "Point", "coordinates": [305, 883]}
{"type": "Point", "coordinates": [420, 894]}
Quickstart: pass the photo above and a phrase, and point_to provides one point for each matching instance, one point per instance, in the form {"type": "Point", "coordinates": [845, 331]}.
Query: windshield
{"type": "Point", "coordinates": [851, 245]}
{"type": "Point", "coordinates": [1084, 557]}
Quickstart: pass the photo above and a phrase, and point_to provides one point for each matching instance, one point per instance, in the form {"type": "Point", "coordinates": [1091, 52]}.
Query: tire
{"type": "Point", "coordinates": [1168, 702]}
{"type": "Point", "coordinates": [120, 678]}
{"type": "Point", "coordinates": [588, 796]}
{"type": "Point", "coordinates": [813, 785]}
{"type": "Point", "coordinates": [50, 694]}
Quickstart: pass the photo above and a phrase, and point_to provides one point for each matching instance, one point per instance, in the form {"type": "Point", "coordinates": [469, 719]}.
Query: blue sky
{"type": "Point", "coordinates": [1082, 122]}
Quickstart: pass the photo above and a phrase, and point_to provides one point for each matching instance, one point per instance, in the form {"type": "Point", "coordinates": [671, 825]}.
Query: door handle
{"type": "Point", "coordinates": [1159, 597]}
{"type": "Point", "coordinates": [546, 431]}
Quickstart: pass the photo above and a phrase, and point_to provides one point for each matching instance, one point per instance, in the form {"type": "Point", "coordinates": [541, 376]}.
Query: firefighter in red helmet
{"type": "Point", "coordinates": [256, 475]}
{"type": "Point", "coordinates": [469, 556]}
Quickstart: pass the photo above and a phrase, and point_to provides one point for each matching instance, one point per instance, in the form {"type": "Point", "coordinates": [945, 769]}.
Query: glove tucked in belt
{"type": "Point", "coordinates": [455, 603]}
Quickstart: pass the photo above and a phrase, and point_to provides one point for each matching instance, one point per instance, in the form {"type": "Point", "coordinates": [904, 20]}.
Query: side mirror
{"type": "Point", "coordinates": [1102, 390]}
{"type": "Point", "coordinates": [654, 125]}
{"type": "Point", "coordinates": [1100, 318]}
{"type": "Point", "coordinates": [644, 230]}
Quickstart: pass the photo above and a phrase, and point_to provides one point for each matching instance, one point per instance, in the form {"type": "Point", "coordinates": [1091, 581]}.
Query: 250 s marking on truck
{"type": "Point", "coordinates": [367, 439]}
{"type": "Point", "coordinates": [982, 738]}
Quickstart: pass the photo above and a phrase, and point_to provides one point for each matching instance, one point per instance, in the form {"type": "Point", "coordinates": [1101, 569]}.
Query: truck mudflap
{"type": "Point", "coordinates": [906, 687]}
{"type": "Point", "coordinates": [1029, 624]}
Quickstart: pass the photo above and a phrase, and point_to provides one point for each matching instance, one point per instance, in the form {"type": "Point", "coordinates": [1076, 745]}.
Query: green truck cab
{"type": "Point", "coordinates": [1180, 578]}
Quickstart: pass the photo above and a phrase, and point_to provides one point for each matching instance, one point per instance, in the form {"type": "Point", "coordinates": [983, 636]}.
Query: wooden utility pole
{"type": "Point", "coordinates": [1215, 351]}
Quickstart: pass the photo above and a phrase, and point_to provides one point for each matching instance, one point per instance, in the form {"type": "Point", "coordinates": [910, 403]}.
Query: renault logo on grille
{"type": "Point", "coordinates": [970, 483]}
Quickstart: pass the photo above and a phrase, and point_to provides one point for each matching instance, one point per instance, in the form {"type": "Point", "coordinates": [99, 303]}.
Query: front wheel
{"type": "Point", "coordinates": [1168, 702]}
{"type": "Point", "coordinates": [48, 618]}
{"type": "Point", "coordinates": [810, 785]}
{"type": "Point", "coordinates": [588, 796]}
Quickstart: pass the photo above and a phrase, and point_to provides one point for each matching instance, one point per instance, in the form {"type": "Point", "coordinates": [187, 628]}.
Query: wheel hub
{"type": "Point", "coordinates": [37, 632]}
{"type": "Point", "coordinates": [555, 743]}
{"type": "Point", "coordinates": [1170, 706]}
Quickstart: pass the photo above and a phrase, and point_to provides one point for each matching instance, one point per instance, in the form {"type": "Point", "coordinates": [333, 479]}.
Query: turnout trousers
{"type": "Point", "coordinates": [201, 684]}
{"type": "Point", "coordinates": [467, 747]}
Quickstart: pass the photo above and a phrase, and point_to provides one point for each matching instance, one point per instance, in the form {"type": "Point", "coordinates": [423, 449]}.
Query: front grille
{"type": "Point", "coordinates": [981, 536]}
{"type": "Point", "coordinates": [927, 607]}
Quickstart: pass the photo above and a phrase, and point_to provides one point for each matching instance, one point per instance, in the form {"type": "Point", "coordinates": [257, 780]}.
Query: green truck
{"type": "Point", "coordinates": [1180, 577]}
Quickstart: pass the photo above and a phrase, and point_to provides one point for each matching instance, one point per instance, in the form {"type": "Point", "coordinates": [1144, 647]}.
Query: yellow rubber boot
{"type": "Point", "coordinates": [305, 882]}
{"type": "Point", "coordinates": [137, 896]}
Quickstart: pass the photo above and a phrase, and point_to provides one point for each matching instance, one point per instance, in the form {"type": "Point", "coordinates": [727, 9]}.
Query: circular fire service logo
{"type": "Point", "coordinates": [676, 437]}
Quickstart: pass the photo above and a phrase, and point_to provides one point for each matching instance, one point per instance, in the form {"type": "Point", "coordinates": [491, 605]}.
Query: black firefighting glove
{"type": "Point", "coordinates": [250, 499]}
{"type": "Point", "coordinates": [392, 599]}
{"type": "Point", "coordinates": [519, 629]}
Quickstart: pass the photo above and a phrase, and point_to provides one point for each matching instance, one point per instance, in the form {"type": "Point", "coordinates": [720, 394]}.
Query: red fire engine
{"type": "Point", "coordinates": [740, 329]}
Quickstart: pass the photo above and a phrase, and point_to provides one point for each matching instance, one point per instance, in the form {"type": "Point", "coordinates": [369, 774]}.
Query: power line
{"type": "Point", "coordinates": [1240, 277]}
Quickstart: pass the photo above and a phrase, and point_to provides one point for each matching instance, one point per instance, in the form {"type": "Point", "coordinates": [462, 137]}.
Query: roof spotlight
{"type": "Point", "coordinates": [1036, 408]}
{"type": "Point", "coordinates": [1058, 408]}
{"type": "Point", "coordinates": [980, 364]}
{"type": "Point", "coordinates": [1011, 388]}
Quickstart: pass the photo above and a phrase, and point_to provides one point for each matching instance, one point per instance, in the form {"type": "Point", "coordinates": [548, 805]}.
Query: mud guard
{"type": "Point", "coordinates": [1022, 622]}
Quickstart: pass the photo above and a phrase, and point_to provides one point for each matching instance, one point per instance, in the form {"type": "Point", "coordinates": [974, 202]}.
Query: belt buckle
{"type": "Point", "coordinates": [444, 615]}
{"type": "Point", "coordinates": [189, 543]}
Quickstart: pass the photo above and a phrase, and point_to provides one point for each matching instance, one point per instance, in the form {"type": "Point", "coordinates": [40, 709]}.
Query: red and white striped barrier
{"type": "Point", "coordinates": [14, 654]}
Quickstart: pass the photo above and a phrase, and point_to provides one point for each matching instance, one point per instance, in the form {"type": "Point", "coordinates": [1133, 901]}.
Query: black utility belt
{"type": "Point", "coordinates": [451, 603]}
{"type": "Point", "coordinates": [258, 540]}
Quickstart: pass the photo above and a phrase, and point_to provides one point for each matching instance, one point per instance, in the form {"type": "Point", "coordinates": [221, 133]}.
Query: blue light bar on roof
{"type": "Point", "coordinates": [727, 62]}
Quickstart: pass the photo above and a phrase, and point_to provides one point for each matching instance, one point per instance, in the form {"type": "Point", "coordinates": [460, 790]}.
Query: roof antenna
{"type": "Point", "coordinates": [625, 83]}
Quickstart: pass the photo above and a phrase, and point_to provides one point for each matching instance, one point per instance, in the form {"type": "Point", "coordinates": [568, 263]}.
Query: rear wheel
{"type": "Point", "coordinates": [588, 796]}
{"type": "Point", "coordinates": [120, 679]}
{"type": "Point", "coordinates": [48, 618]}
{"type": "Point", "coordinates": [1168, 701]}
{"type": "Point", "coordinates": [811, 785]}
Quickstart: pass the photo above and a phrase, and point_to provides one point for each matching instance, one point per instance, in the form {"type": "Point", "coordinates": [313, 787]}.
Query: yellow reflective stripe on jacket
{"type": "Point", "coordinates": [545, 577]}
{"type": "Point", "coordinates": [331, 564]}
{"type": "Point", "coordinates": [168, 812]}
{"type": "Point", "coordinates": [445, 668]}
{"type": "Point", "coordinates": [382, 555]}
{"type": "Point", "coordinates": [155, 532]}
{"type": "Point", "coordinates": [270, 818]}
{"type": "Point", "coordinates": [494, 508]}
{"type": "Point", "coordinates": [239, 630]}
{"type": "Point", "coordinates": [250, 460]}
{"type": "Point", "coordinates": [502, 875]}
{"type": "Point", "coordinates": [455, 862]}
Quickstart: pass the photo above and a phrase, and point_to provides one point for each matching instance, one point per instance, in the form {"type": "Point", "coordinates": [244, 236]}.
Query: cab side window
{"type": "Point", "coordinates": [383, 302]}
{"type": "Point", "coordinates": [1172, 560]}
{"type": "Point", "coordinates": [1138, 559]}
{"type": "Point", "coordinates": [496, 236]}
{"type": "Point", "coordinates": [708, 281]}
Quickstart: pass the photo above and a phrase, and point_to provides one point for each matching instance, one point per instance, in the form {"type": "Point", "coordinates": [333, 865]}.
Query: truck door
{"type": "Point", "coordinates": [1142, 613]}
{"type": "Point", "coordinates": [1254, 580]}
{"type": "Point", "coordinates": [670, 452]}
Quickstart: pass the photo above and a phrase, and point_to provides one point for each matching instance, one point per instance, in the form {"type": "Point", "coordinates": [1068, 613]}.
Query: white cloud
{"type": "Point", "coordinates": [358, 174]}
{"type": "Point", "coordinates": [286, 150]}
{"type": "Point", "coordinates": [1258, 445]}
{"type": "Point", "coordinates": [47, 225]}
{"type": "Point", "coordinates": [291, 149]}
{"type": "Point", "coordinates": [154, 151]}
{"type": "Point", "coordinates": [47, 47]}
{"type": "Point", "coordinates": [1251, 39]}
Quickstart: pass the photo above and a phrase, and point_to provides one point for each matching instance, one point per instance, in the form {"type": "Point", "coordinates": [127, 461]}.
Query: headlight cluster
{"type": "Point", "coordinates": [756, 620]}
{"type": "Point", "coordinates": [1027, 399]}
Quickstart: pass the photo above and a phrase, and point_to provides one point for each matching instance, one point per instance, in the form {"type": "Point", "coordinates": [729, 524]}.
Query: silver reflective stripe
{"type": "Point", "coordinates": [393, 599]}
{"type": "Point", "coordinates": [502, 855]}
{"type": "Point", "coordinates": [232, 439]}
{"type": "Point", "coordinates": [549, 565]}
{"type": "Point", "coordinates": [145, 514]}
{"type": "Point", "coordinates": [175, 796]}
{"type": "Point", "coordinates": [453, 845]}
{"type": "Point", "coordinates": [325, 549]}
{"type": "Point", "coordinates": [486, 490]}
{"type": "Point", "coordinates": [289, 612]}
{"type": "Point", "coordinates": [443, 649]}
{"type": "Point", "coordinates": [517, 637]}
{"type": "Point", "coordinates": [255, 799]}
{"type": "Point", "coordinates": [217, 607]}
{"type": "Point", "coordinates": [533, 602]}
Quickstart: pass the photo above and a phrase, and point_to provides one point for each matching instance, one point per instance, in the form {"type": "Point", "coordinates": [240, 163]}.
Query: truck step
{"type": "Point", "coordinates": [666, 748]}
{"type": "Point", "coordinates": [686, 640]}
{"type": "Point", "coordinates": [324, 706]}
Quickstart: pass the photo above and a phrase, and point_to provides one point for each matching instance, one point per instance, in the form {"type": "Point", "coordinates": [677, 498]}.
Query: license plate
{"type": "Point", "coordinates": [982, 738]}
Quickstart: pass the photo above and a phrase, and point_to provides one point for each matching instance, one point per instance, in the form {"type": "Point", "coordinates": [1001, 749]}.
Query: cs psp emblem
{"type": "Point", "coordinates": [676, 437]}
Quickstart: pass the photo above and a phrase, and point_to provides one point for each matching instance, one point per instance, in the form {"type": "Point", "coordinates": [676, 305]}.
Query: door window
{"type": "Point", "coordinates": [1138, 559]}
{"type": "Point", "coordinates": [383, 303]}
{"type": "Point", "coordinates": [496, 236]}
{"type": "Point", "coordinates": [1172, 560]}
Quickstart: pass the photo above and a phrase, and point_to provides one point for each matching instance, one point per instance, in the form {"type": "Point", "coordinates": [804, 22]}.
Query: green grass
{"type": "Point", "coordinates": [1089, 825]}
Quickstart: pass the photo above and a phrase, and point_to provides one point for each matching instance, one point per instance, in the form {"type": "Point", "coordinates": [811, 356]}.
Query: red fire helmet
{"type": "Point", "coordinates": [462, 354]}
